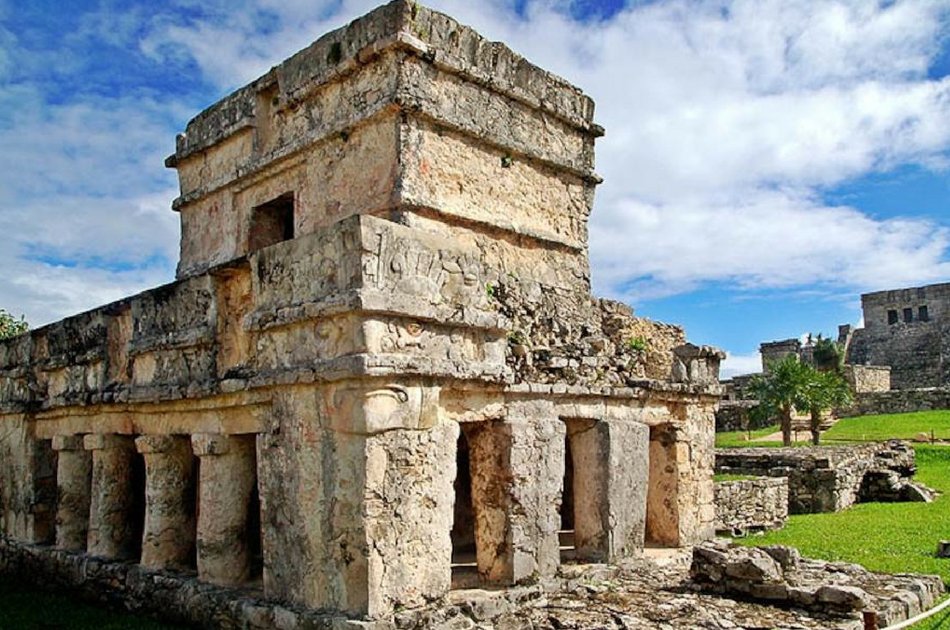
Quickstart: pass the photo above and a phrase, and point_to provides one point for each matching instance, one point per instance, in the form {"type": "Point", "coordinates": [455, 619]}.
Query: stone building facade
{"type": "Point", "coordinates": [907, 330]}
{"type": "Point", "coordinates": [380, 367]}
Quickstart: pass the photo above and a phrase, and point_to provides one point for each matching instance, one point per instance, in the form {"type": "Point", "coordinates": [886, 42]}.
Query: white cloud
{"type": "Point", "coordinates": [85, 203]}
{"type": "Point", "coordinates": [725, 122]}
{"type": "Point", "coordinates": [740, 364]}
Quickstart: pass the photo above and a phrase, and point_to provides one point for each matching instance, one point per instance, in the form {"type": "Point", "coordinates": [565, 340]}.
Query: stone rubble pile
{"type": "Point", "coordinates": [779, 575]}
{"type": "Point", "coordinates": [889, 487]}
{"type": "Point", "coordinates": [828, 478]}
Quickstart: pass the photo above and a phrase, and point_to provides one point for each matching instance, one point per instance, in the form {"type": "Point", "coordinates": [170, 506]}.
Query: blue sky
{"type": "Point", "coordinates": [765, 161]}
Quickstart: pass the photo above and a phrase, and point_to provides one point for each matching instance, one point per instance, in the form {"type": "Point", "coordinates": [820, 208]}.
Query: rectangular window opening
{"type": "Point", "coordinates": [908, 315]}
{"type": "Point", "coordinates": [892, 317]}
{"type": "Point", "coordinates": [271, 223]}
{"type": "Point", "coordinates": [923, 314]}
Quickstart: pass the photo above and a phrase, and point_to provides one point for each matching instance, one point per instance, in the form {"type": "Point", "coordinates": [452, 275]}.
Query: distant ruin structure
{"type": "Point", "coordinates": [380, 373]}
{"type": "Point", "coordinates": [907, 330]}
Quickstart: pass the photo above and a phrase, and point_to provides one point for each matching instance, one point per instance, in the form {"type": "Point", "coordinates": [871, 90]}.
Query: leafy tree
{"type": "Point", "coordinates": [10, 326]}
{"type": "Point", "coordinates": [827, 355]}
{"type": "Point", "coordinates": [781, 391]}
{"type": "Point", "coordinates": [825, 391]}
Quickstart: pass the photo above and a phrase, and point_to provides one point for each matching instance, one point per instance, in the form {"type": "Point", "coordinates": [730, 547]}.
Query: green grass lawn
{"type": "Point", "coordinates": [22, 608]}
{"type": "Point", "coordinates": [886, 537]}
{"type": "Point", "coordinates": [904, 426]}
{"type": "Point", "coordinates": [733, 439]}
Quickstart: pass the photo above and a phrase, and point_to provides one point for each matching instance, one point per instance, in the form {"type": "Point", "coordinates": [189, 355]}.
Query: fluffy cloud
{"type": "Point", "coordinates": [736, 364]}
{"type": "Point", "coordinates": [726, 122]}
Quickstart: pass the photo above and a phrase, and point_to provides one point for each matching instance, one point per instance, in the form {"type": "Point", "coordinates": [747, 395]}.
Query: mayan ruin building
{"type": "Point", "coordinates": [907, 330]}
{"type": "Point", "coordinates": [380, 373]}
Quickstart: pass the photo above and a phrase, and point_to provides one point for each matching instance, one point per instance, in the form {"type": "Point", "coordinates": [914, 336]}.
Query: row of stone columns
{"type": "Point", "coordinates": [96, 508]}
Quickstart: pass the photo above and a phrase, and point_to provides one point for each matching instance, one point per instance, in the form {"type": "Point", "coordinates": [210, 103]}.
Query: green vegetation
{"type": "Point", "coordinates": [827, 354]}
{"type": "Point", "coordinates": [637, 344]}
{"type": "Point", "coordinates": [886, 537]}
{"type": "Point", "coordinates": [10, 326]}
{"type": "Point", "coordinates": [731, 477]}
{"type": "Point", "coordinates": [24, 608]}
{"type": "Point", "coordinates": [791, 385]}
{"type": "Point", "coordinates": [904, 426]}
{"type": "Point", "coordinates": [735, 439]}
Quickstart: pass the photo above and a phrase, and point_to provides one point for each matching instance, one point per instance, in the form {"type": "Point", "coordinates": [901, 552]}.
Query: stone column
{"type": "Point", "coordinates": [227, 478]}
{"type": "Point", "coordinates": [112, 534]}
{"type": "Point", "coordinates": [517, 472]}
{"type": "Point", "coordinates": [663, 502]}
{"type": "Point", "coordinates": [74, 487]}
{"type": "Point", "coordinates": [169, 538]}
{"type": "Point", "coordinates": [611, 469]}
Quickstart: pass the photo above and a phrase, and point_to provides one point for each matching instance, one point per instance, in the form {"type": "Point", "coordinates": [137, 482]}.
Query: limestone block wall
{"type": "Point", "coordinates": [822, 478]}
{"type": "Point", "coordinates": [736, 415]}
{"type": "Point", "coordinates": [868, 378]}
{"type": "Point", "coordinates": [898, 401]}
{"type": "Point", "coordinates": [750, 505]}
{"type": "Point", "coordinates": [906, 329]}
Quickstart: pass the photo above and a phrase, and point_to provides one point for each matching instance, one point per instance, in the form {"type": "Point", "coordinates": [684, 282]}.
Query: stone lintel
{"type": "Point", "coordinates": [204, 444]}
{"type": "Point", "coordinates": [105, 441]}
{"type": "Point", "coordinates": [68, 443]}
{"type": "Point", "coordinates": [157, 443]}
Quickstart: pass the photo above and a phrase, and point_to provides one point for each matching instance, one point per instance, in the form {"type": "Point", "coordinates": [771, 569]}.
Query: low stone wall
{"type": "Point", "coordinates": [751, 505]}
{"type": "Point", "coordinates": [820, 478]}
{"type": "Point", "coordinates": [780, 576]}
{"type": "Point", "coordinates": [736, 415]}
{"type": "Point", "coordinates": [898, 401]}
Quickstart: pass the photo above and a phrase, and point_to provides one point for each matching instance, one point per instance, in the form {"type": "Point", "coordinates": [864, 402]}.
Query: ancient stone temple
{"type": "Point", "coordinates": [380, 374]}
{"type": "Point", "coordinates": [907, 330]}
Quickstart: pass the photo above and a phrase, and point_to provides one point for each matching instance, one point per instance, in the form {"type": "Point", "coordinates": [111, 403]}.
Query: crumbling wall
{"type": "Point", "coordinates": [562, 338]}
{"type": "Point", "coordinates": [750, 505]}
{"type": "Point", "coordinates": [820, 478]}
{"type": "Point", "coordinates": [898, 401]}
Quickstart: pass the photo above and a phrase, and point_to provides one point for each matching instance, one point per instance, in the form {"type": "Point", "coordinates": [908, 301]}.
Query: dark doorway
{"type": "Point", "coordinates": [464, 559]}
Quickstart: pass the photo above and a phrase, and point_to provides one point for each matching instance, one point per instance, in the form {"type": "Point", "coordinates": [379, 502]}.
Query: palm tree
{"type": "Point", "coordinates": [781, 391]}
{"type": "Point", "coordinates": [828, 355]}
{"type": "Point", "coordinates": [823, 392]}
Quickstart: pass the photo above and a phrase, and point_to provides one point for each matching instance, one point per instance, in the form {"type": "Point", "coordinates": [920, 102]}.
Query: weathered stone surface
{"type": "Point", "coordinates": [905, 329]}
{"type": "Point", "coordinates": [779, 574]}
{"type": "Point", "coordinates": [751, 505]}
{"type": "Point", "coordinates": [74, 482]}
{"type": "Point", "coordinates": [228, 475]}
{"type": "Point", "coordinates": [828, 478]}
{"type": "Point", "coordinates": [383, 271]}
{"type": "Point", "coordinates": [642, 596]}
{"type": "Point", "coordinates": [113, 530]}
{"type": "Point", "coordinates": [899, 401]}
{"type": "Point", "coordinates": [169, 537]}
